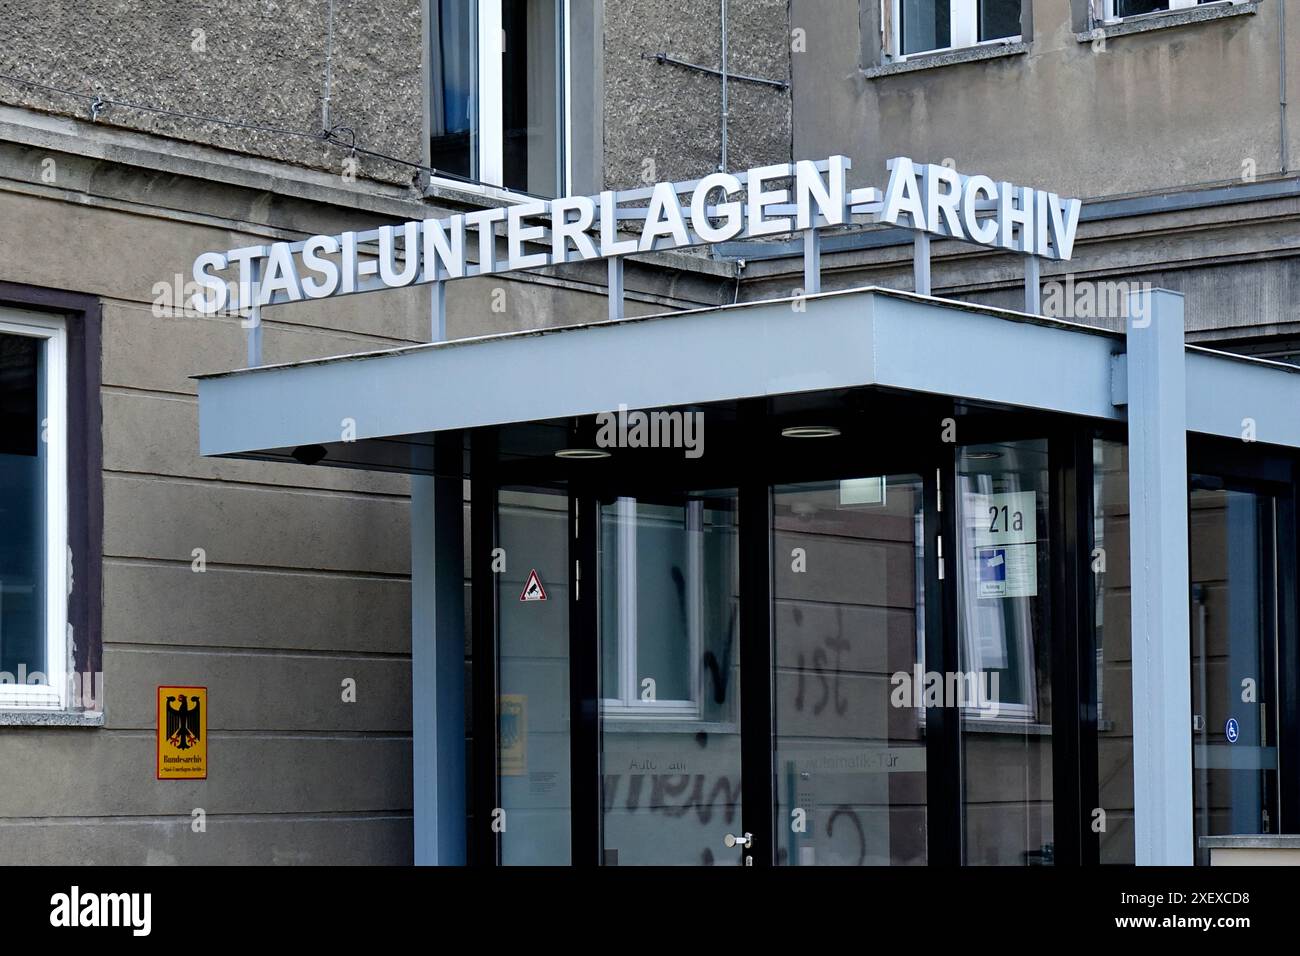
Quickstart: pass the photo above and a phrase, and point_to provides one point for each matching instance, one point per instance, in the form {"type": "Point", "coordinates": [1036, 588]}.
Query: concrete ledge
{"type": "Point", "coordinates": [1253, 841]}
{"type": "Point", "coordinates": [1164, 21]}
{"type": "Point", "coordinates": [931, 61]}
{"type": "Point", "coordinates": [49, 718]}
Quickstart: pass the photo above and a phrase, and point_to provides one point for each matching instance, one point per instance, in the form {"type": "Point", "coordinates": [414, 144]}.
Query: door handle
{"type": "Point", "coordinates": [747, 841]}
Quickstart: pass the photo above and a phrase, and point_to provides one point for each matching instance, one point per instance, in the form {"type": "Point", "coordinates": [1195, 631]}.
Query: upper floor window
{"type": "Point", "coordinates": [931, 26]}
{"type": "Point", "coordinates": [496, 98]}
{"type": "Point", "coordinates": [33, 511]}
{"type": "Point", "coordinates": [1119, 9]}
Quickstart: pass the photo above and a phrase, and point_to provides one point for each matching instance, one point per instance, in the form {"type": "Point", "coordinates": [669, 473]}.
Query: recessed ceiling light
{"type": "Point", "coordinates": [810, 431]}
{"type": "Point", "coordinates": [982, 455]}
{"type": "Point", "coordinates": [581, 454]}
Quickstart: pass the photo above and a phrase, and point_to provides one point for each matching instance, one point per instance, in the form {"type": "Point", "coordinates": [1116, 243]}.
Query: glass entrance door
{"type": "Point", "coordinates": [1234, 618]}
{"type": "Point", "coordinates": [668, 595]}
{"type": "Point", "coordinates": [843, 741]}
{"type": "Point", "coordinates": [848, 634]}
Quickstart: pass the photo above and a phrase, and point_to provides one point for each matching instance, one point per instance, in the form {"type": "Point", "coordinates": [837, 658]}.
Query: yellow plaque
{"type": "Point", "coordinates": [182, 733]}
{"type": "Point", "coordinates": [513, 720]}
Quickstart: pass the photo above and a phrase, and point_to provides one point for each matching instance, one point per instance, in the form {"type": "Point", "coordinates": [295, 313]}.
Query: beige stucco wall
{"type": "Point", "coordinates": [1149, 111]}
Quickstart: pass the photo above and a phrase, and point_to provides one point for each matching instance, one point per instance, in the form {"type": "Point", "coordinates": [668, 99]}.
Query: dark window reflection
{"type": "Point", "coordinates": [454, 77]}
{"type": "Point", "coordinates": [999, 19]}
{"type": "Point", "coordinates": [22, 508]}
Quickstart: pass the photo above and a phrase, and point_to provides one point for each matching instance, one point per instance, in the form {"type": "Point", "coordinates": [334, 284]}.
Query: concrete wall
{"type": "Point", "coordinates": [254, 61]}
{"type": "Point", "coordinates": [265, 62]}
{"type": "Point", "coordinates": [663, 122]}
{"type": "Point", "coordinates": [1147, 111]}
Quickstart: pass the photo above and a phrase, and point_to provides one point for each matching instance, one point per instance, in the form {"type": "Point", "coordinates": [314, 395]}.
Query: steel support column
{"type": "Point", "coordinates": [1162, 706]}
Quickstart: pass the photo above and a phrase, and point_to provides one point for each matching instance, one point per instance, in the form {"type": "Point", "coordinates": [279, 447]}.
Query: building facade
{"type": "Point", "coordinates": [135, 139]}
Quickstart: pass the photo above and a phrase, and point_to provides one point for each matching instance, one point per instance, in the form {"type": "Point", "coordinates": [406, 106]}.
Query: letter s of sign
{"type": "Point", "coordinates": [203, 303]}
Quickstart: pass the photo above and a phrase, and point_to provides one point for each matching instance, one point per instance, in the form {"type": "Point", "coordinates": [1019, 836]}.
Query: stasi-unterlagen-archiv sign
{"type": "Point", "coordinates": [765, 201]}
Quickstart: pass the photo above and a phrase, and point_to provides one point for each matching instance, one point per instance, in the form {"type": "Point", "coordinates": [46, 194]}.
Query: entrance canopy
{"type": "Point", "coordinates": [389, 403]}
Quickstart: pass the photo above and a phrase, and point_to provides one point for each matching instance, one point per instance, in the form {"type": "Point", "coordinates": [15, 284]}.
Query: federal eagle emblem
{"type": "Point", "coordinates": [184, 722]}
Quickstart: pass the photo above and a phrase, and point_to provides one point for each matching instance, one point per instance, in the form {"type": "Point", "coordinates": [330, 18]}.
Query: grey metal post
{"type": "Point", "coordinates": [615, 288]}
{"type": "Point", "coordinates": [254, 321]}
{"type": "Point", "coordinates": [1162, 705]}
{"type": "Point", "coordinates": [438, 670]}
{"type": "Point", "coordinates": [921, 262]}
{"type": "Point", "coordinates": [438, 320]}
{"type": "Point", "coordinates": [812, 263]}
{"type": "Point", "coordinates": [438, 647]}
{"type": "Point", "coordinates": [1033, 285]}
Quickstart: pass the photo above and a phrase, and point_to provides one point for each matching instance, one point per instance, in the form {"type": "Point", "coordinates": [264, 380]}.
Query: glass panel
{"type": "Point", "coordinates": [22, 510]}
{"type": "Point", "coordinates": [1110, 567]}
{"type": "Point", "coordinates": [1133, 8]}
{"type": "Point", "coordinates": [999, 19]}
{"type": "Point", "coordinates": [531, 96]}
{"type": "Point", "coordinates": [1004, 632]}
{"type": "Point", "coordinates": [454, 78]}
{"type": "Point", "coordinates": [671, 670]}
{"type": "Point", "coordinates": [924, 25]}
{"type": "Point", "coordinates": [1234, 643]}
{"type": "Point", "coordinates": [533, 657]}
{"type": "Point", "coordinates": [850, 745]}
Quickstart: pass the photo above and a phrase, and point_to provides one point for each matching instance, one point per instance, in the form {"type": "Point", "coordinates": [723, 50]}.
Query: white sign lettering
{"type": "Point", "coordinates": [766, 201]}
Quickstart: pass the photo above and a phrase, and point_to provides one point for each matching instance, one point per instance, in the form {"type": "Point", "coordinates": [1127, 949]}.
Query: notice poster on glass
{"type": "Point", "coordinates": [1006, 544]}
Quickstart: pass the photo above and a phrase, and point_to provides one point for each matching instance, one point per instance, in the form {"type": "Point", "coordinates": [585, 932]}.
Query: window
{"type": "Point", "coordinates": [667, 615]}
{"type": "Point", "coordinates": [1120, 9]}
{"type": "Point", "coordinates": [929, 26]}
{"type": "Point", "coordinates": [496, 97]}
{"type": "Point", "coordinates": [33, 511]}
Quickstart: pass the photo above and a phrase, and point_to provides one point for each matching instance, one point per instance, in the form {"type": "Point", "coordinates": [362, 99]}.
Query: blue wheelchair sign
{"type": "Point", "coordinates": [1232, 731]}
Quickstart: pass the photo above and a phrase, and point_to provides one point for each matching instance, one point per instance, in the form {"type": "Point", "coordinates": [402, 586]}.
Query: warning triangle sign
{"type": "Point", "coordinates": [533, 590]}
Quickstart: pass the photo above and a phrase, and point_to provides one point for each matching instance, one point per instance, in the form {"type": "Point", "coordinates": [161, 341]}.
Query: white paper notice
{"type": "Point", "coordinates": [1006, 544]}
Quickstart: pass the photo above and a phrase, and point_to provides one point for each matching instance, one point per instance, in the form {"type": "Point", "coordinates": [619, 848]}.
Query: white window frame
{"type": "Point", "coordinates": [488, 109]}
{"type": "Point", "coordinates": [963, 26]}
{"type": "Point", "coordinates": [53, 383]}
{"type": "Point", "coordinates": [1174, 6]}
{"type": "Point", "coordinates": [628, 703]}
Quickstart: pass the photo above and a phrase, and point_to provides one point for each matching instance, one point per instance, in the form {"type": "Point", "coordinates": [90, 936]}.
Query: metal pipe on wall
{"type": "Point", "coordinates": [1282, 104]}
{"type": "Point", "coordinates": [722, 164]}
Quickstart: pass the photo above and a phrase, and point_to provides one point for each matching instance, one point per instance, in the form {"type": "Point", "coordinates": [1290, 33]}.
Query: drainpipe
{"type": "Point", "coordinates": [722, 165]}
{"type": "Point", "coordinates": [1281, 42]}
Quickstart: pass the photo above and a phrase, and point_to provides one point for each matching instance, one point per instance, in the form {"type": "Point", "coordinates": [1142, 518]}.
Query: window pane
{"type": "Point", "coordinates": [670, 749]}
{"type": "Point", "coordinates": [1114, 650]}
{"type": "Point", "coordinates": [1234, 646]}
{"type": "Point", "coordinates": [22, 509]}
{"type": "Point", "coordinates": [1133, 8]}
{"type": "Point", "coordinates": [454, 78]}
{"type": "Point", "coordinates": [533, 662]}
{"type": "Point", "coordinates": [924, 25]}
{"type": "Point", "coordinates": [531, 96]}
{"type": "Point", "coordinates": [667, 598]}
{"type": "Point", "coordinates": [999, 19]}
{"type": "Point", "coordinates": [850, 746]}
{"type": "Point", "coordinates": [1004, 631]}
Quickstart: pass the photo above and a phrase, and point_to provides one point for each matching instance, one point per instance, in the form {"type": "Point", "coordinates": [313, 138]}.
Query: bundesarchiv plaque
{"type": "Point", "coordinates": [182, 733]}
